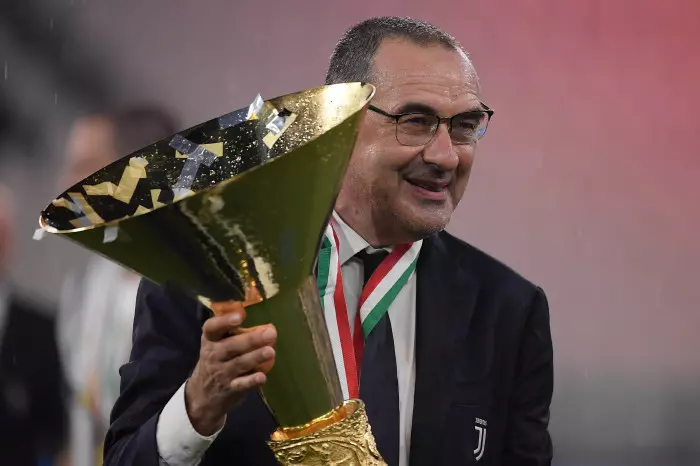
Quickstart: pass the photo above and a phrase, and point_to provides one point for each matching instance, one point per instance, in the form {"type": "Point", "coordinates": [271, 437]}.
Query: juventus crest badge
{"type": "Point", "coordinates": [480, 427]}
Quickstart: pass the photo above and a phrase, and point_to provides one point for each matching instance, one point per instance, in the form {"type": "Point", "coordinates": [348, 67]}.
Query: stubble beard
{"type": "Point", "coordinates": [396, 219]}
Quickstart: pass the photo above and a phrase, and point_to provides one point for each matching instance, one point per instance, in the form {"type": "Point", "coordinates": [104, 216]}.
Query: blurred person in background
{"type": "Point", "coordinates": [97, 304]}
{"type": "Point", "coordinates": [32, 410]}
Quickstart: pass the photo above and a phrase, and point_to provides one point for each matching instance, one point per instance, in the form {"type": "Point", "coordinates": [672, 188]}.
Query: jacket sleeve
{"type": "Point", "coordinates": [165, 347]}
{"type": "Point", "coordinates": [527, 441]}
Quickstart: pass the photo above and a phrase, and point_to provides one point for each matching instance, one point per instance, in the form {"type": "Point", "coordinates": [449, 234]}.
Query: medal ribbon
{"type": "Point", "coordinates": [377, 295]}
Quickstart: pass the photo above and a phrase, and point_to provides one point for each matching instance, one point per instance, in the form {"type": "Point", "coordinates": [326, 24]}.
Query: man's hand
{"type": "Point", "coordinates": [231, 362]}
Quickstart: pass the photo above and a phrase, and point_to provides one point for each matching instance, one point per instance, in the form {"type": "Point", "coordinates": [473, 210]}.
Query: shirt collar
{"type": "Point", "coordinates": [349, 241]}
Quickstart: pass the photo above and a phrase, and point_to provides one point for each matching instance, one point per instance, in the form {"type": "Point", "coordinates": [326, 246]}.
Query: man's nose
{"type": "Point", "coordinates": [440, 151]}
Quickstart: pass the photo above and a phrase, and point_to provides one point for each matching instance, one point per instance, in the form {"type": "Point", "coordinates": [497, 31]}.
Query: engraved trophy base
{"type": "Point", "coordinates": [342, 437]}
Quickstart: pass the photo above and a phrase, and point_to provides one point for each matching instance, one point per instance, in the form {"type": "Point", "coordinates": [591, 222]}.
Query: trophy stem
{"type": "Point", "coordinates": [304, 384]}
{"type": "Point", "coordinates": [340, 437]}
{"type": "Point", "coordinates": [313, 311]}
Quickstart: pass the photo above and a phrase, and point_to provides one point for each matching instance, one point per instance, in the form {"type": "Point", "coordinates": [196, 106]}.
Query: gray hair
{"type": "Point", "coordinates": [353, 56]}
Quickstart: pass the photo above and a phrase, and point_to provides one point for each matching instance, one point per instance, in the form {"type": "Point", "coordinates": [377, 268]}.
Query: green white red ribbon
{"type": "Point", "coordinates": [377, 295]}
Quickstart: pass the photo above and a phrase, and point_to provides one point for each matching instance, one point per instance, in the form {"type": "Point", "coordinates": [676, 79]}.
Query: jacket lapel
{"type": "Point", "coordinates": [445, 300]}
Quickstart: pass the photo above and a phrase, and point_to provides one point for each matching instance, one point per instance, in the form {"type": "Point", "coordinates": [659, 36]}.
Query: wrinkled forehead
{"type": "Point", "coordinates": [410, 82]}
{"type": "Point", "coordinates": [409, 71]}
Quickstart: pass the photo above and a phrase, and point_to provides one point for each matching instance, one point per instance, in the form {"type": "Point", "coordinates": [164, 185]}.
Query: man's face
{"type": "Point", "coordinates": [90, 147]}
{"type": "Point", "coordinates": [386, 181]}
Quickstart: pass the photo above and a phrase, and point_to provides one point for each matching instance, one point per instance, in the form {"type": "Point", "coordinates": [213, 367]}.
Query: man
{"type": "Point", "coordinates": [458, 370]}
{"type": "Point", "coordinates": [32, 411]}
{"type": "Point", "coordinates": [97, 305]}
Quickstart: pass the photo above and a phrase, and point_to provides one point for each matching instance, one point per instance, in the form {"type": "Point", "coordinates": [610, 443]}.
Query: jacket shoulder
{"type": "Point", "coordinates": [488, 271]}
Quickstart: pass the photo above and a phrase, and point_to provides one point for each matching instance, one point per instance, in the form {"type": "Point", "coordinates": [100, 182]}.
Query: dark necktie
{"type": "Point", "coordinates": [379, 387]}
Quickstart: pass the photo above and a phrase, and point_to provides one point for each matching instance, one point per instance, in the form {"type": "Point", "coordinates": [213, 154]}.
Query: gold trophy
{"type": "Point", "coordinates": [234, 209]}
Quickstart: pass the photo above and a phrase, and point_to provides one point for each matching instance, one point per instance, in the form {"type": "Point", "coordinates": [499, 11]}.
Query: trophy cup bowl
{"type": "Point", "coordinates": [234, 209]}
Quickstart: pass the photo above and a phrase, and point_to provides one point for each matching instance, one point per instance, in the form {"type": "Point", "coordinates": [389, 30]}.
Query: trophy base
{"type": "Point", "coordinates": [341, 437]}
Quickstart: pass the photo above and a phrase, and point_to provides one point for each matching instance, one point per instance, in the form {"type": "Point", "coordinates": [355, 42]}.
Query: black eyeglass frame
{"type": "Point", "coordinates": [397, 116]}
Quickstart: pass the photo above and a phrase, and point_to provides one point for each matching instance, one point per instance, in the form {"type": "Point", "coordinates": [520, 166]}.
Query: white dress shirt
{"type": "Point", "coordinates": [180, 445]}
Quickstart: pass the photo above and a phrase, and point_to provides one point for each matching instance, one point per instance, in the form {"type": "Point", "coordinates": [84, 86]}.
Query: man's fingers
{"type": "Point", "coordinates": [227, 307]}
{"type": "Point", "coordinates": [257, 360]}
{"type": "Point", "coordinates": [247, 341]}
{"type": "Point", "coordinates": [248, 382]}
{"type": "Point", "coordinates": [218, 327]}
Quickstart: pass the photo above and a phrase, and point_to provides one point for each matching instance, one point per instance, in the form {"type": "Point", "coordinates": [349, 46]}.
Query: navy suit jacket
{"type": "Point", "coordinates": [484, 372]}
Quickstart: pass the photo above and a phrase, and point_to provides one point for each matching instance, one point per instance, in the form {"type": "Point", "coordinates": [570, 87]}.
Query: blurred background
{"type": "Point", "coordinates": [587, 182]}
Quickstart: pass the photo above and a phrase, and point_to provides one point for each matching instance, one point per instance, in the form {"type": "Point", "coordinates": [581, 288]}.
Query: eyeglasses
{"type": "Point", "coordinates": [418, 129]}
